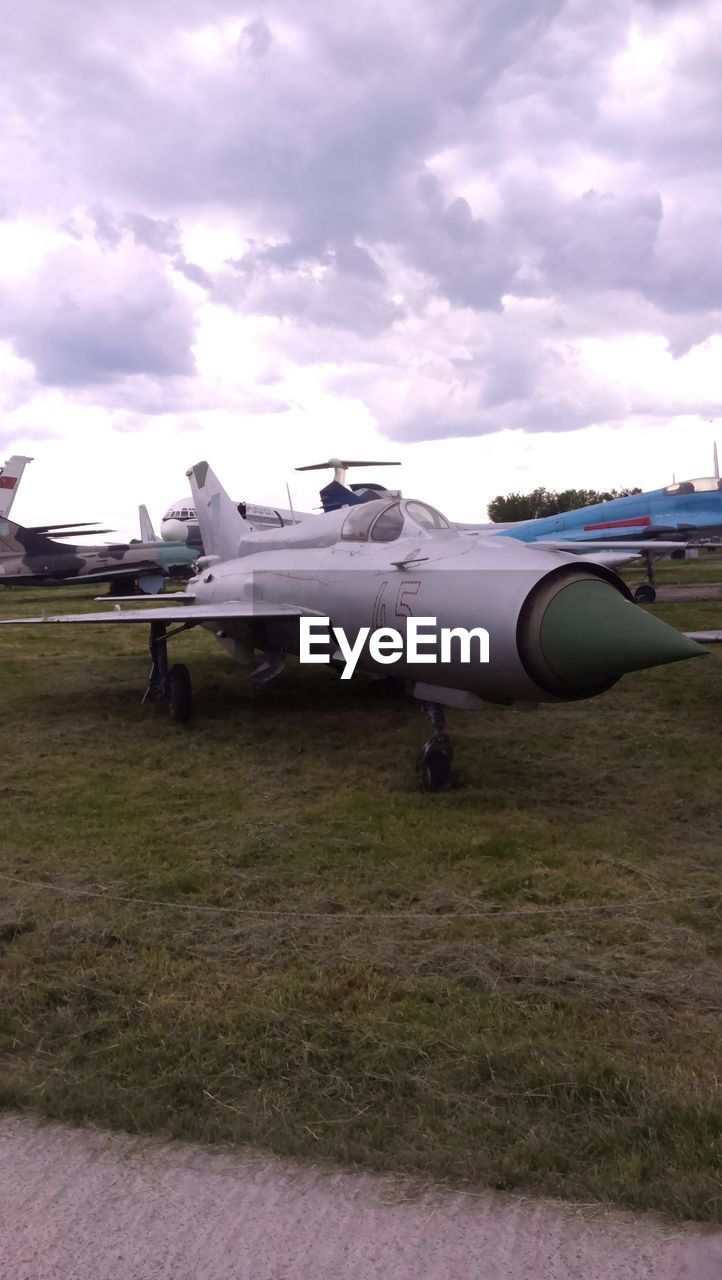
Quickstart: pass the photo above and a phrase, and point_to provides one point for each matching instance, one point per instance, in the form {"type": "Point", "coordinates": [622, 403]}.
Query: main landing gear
{"type": "Point", "coordinates": [172, 685]}
{"type": "Point", "coordinates": [168, 684]}
{"type": "Point", "coordinates": [646, 592]}
{"type": "Point", "coordinates": [437, 753]}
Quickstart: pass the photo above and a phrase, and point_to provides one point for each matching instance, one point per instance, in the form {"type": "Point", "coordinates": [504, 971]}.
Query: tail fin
{"type": "Point", "coordinates": [10, 476]}
{"type": "Point", "coordinates": [147, 532]}
{"type": "Point", "coordinates": [221, 524]}
{"type": "Point", "coordinates": [715, 461]}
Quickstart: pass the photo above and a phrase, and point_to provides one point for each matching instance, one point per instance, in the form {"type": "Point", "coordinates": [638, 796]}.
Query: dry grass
{"type": "Point", "coordinates": [513, 983]}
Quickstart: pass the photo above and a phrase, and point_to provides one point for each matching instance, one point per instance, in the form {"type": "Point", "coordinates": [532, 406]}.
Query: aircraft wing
{"type": "Point", "coordinates": [115, 573]}
{"type": "Point", "coordinates": [613, 559]}
{"type": "Point", "coordinates": [632, 545]}
{"type": "Point", "coordinates": [223, 611]}
{"type": "Point", "coordinates": [705, 637]}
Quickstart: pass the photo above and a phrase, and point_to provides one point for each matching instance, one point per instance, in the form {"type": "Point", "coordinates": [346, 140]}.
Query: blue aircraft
{"type": "Point", "coordinates": [683, 512]}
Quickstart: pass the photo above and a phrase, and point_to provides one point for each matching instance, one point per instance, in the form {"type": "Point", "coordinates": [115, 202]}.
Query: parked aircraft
{"type": "Point", "coordinates": [29, 557]}
{"type": "Point", "coordinates": [633, 526]}
{"type": "Point", "coordinates": [180, 522]}
{"type": "Point", "coordinates": [683, 512]}
{"type": "Point", "coordinates": [558, 628]}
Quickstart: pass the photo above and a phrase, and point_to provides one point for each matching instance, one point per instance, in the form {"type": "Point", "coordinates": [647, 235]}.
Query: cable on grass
{"type": "Point", "coordinates": [628, 904]}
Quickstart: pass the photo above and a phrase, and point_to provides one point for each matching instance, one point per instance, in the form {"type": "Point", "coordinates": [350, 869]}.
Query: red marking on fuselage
{"type": "Point", "coordinates": [639, 522]}
{"type": "Point", "coordinates": [409, 587]}
{"type": "Point", "coordinates": [8, 482]}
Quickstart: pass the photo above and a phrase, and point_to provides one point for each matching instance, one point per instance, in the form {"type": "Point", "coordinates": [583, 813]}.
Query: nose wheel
{"type": "Point", "coordinates": [437, 753]}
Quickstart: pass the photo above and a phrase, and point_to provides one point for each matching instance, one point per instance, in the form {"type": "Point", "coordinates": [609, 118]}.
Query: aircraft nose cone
{"type": "Point", "coordinates": [585, 634]}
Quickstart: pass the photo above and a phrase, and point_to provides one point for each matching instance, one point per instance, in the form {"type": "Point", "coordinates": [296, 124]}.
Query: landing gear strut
{"type": "Point", "coordinates": [434, 762]}
{"type": "Point", "coordinates": [646, 592]}
{"type": "Point", "coordinates": [167, 684]}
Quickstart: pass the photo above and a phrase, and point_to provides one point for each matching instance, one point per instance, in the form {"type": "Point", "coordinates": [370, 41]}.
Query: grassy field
{"type": "Point", "coordinates": [258, 930]}
{"type": "Point", "coordinates": [706, 568]}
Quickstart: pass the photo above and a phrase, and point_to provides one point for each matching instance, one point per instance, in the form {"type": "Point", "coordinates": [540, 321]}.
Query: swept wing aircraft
{"type": "Point", "coordinates": [647, 525]}
{"type": "Point", "coordinates": [559, 628]}
{"type": "Point", "coordinates": [29, 557]}
{"type": "Point", "coordinates": [644, 525]}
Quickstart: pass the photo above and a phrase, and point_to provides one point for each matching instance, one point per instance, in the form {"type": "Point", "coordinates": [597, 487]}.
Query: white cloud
{"type": "Point", "coordinates": [300, 229]}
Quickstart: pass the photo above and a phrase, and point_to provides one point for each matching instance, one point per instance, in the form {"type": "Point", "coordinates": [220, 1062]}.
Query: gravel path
{"type": "Point", "coordinates": [697, 591]}
{"type": "Point", "coordinates": [85, 1205]}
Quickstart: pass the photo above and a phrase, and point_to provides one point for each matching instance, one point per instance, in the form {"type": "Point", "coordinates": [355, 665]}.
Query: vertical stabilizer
{"type": "Point", "coordinates": [147, 532]}
{"type": "Point", "coordinates": [715, 458]}
{"type": "Point", "coordinates": [10, 477]}
{"type": "Point", "coordinates": [221, 524]}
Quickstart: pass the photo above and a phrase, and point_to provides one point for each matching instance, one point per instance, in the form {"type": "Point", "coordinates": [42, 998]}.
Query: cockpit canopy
{"type": "Point", "coordinates": [384, 521]}
{"type": "Point", "coordinates": [709, 484]}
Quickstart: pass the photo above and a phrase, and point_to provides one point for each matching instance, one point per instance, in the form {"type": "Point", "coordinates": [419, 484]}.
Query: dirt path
{"type": "Point", "coordinates": [696, 591]}
{"type": "Point", "coordinates": [84, 1205]}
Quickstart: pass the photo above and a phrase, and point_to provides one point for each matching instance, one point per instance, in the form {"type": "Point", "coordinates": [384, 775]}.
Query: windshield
{"type": "Point", "coordinates": [380, 521]}
{"type": "Point", "coordinates": [708, 484]}
{"type": "Point", "coordinates": [424, 516]}
{"type": "Point", "coordinates": [377, 520]}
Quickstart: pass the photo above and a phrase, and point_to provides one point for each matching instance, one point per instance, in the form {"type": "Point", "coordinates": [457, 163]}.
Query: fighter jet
{"type": "Point", "coordinates": [644, 526]}
{"type": "Point", "coordinates": [29, 557]}
{"type": "Point", "coordinates": [551, 627]}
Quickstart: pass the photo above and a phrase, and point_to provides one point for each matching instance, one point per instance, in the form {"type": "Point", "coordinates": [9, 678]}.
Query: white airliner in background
{"type": "Point", "coordinates": [180, 522]}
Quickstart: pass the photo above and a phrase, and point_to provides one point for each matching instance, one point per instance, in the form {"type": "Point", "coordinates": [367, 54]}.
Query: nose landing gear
{"type": "Point", "coordinates": [437, 753]}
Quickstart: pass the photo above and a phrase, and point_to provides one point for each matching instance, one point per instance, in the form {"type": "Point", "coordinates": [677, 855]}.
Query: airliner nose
{"type": "Point", "coordinates": [588, 634]}
{"type": "Point", "coordinates": [174, 531]}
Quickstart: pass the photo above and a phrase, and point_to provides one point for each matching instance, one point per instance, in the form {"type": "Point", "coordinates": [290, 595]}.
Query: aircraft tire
{"type": "Point", "coordinates": [435, 764]}
{"type": "Point", "coordinates": [180, 702]}
{"type": "Point", "coordinates": [645, 594]}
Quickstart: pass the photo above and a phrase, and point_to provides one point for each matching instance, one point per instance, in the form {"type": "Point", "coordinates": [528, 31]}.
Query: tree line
{"type": "Point", "coordinates": [547, 502]}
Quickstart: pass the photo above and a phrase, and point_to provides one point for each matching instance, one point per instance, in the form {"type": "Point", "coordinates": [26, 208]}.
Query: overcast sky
{"type": "Point", "coordinates": [479, 236]}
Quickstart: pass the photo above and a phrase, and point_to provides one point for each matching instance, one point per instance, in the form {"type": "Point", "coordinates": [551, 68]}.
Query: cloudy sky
{"type": "Point", "coordinates": [482, 237]}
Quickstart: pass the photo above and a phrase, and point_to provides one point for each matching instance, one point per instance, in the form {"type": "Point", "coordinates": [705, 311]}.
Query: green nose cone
{"type": "Point", "coordinates": [590, 634]}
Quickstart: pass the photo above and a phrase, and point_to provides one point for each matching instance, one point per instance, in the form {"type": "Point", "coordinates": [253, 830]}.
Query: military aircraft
{"type": "Point", "coordinates": [685, 512]}
{"type": "Point", "coordinates": [641, 525]}
{"type": "Point", "coordinates": [633, 526]}
{"type": "Point", "coordinates": [557, 628]}
{"type": "Point", "coordinates": [29, 557]}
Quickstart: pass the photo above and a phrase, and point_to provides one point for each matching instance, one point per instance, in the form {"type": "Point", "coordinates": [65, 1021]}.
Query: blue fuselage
{"type": "Point", "coordinates": [679, 512]}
